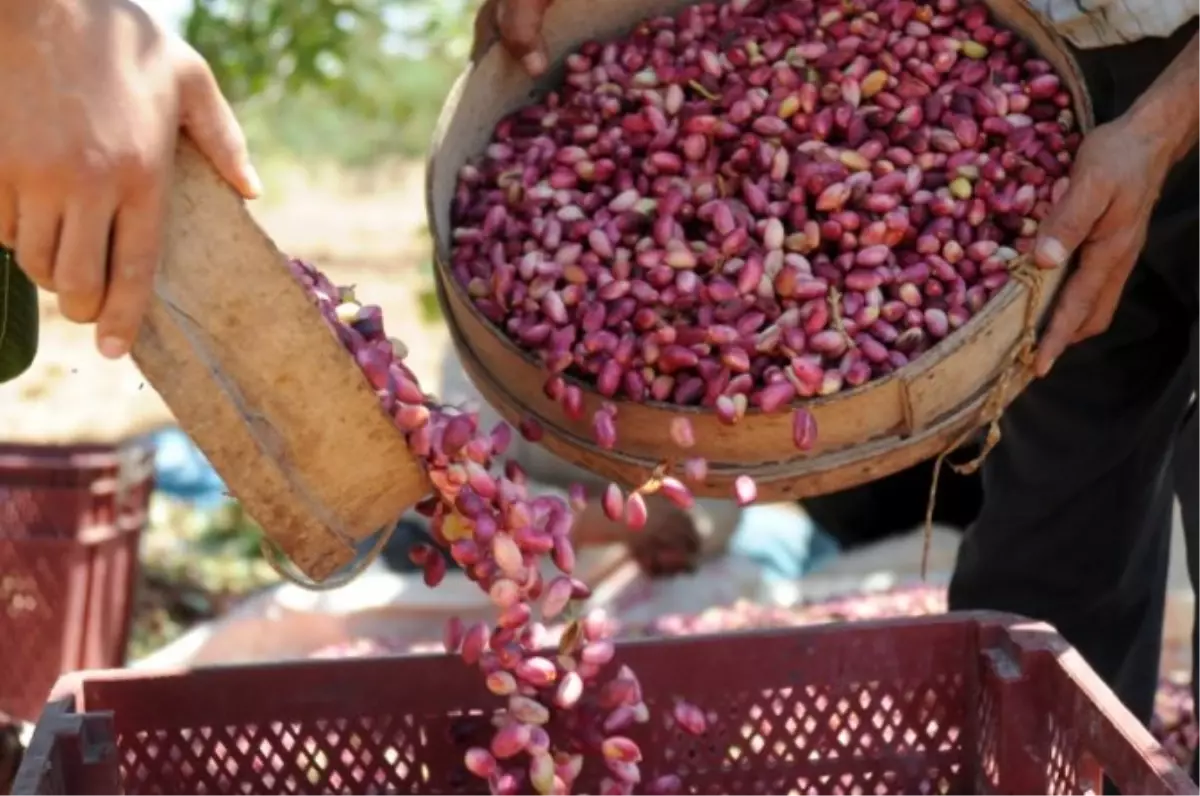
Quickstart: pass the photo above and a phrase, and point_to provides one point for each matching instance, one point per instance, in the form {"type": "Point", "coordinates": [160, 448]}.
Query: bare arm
{"type": "Point", "coordinates": [1170, 107]}
{"type": "Point", "coordinates": [1118, 175]}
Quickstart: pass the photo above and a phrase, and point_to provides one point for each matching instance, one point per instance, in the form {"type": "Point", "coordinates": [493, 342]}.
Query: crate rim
{"type": "Point", "coordinates": [1031, 635]}
{"type": "Point", "coordinates": [1028, 637]}
{"type": "Point", "coordinates": [73, 454]}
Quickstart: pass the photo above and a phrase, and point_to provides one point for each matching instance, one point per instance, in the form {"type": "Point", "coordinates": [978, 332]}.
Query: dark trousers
{"type": "Point", "coordinates": [1076, 521]}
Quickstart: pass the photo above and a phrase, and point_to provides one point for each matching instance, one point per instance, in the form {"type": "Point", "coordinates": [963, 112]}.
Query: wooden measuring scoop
{"type": "Point", "coordinates": [259, 382]}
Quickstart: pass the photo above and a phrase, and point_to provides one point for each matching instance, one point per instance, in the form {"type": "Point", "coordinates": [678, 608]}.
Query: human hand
{"type": "Point", "coordinates": [97, 94]}
{"type": "Point", "coordinates": [1103, 217]}
{"type": "Point", "coordinates": [518, 25]}
{"type": "Point", "coordinates": [670, 545]}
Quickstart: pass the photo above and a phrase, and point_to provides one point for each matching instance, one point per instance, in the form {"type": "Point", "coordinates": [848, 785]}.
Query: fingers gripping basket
{"type": "Point", "coordinates": [967, 703]}
{"type": "Point", "coordinates": [865, 433]}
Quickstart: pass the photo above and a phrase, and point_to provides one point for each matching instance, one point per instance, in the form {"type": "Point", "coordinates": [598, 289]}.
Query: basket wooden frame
{"type": "Point", "coordinates": [865, 433]}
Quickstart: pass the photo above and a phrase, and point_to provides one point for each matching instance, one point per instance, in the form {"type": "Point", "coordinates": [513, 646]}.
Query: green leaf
{"type": "Point", "coordinates": [430, 309]}
{"type": "Point", "coordinates": [18, 318]}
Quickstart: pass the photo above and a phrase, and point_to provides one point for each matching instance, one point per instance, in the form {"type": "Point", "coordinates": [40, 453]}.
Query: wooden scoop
{"type": "Point", "coordinates": [255, 377]}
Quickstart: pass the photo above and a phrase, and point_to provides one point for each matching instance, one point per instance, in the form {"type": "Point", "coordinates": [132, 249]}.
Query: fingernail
{"type": "Point", "coordinates": [534, 63]}
{"type": "Point", "coordinates": [253, 182]}
{"type": "Point", "coordinates": [1050, 253]}
{"type": "Point", "coordinates": [1044, 368]}
{"type": "Point", "coordinates": [112, 347]}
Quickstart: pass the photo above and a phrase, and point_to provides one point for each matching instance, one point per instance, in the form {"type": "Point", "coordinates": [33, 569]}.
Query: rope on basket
{"type": "Point", "coordinates": [1019, 359]}
{"type": "Point", "coordinates": [285, 569]}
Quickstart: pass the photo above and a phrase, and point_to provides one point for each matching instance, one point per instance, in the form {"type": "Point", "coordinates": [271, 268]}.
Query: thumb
{"type": "Point", "coordinates": [210, 123]}
{"type": "Point", "coordinates": [520, 23]}
{"type": "Point", "coordinates": [485, 29]}
{"type": "Point", "coordinates": [1069, 223]}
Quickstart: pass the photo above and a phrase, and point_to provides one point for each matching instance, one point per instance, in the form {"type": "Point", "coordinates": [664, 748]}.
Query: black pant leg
{"type": "Point", "coordinates": [1187, 488]}
{"type": "Point", "coordinates": [1183, 280]}
{"type": "Point", "coordinates": [1075, 526]}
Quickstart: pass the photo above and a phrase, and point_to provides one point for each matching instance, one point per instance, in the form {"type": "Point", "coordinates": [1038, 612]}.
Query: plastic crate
{"type": "Point", "coordinates": [70, 521]}
{"type": "Point", "coordinates": [967, 703]}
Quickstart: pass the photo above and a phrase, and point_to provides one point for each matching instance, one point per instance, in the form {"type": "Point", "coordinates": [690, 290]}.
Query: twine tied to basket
{"type": "Point", "coordinates": [1020, 359]}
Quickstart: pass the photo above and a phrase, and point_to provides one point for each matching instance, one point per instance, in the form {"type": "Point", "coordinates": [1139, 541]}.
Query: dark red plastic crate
{"type": "Point", "coordinates": [966, 703]}
{"type": "Point", "coordinates": [71, 518]}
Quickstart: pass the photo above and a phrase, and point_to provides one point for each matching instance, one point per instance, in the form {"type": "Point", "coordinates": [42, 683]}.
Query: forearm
{"type": "Point", "coordinates": [22, 17]}
{"type": "Point", "coordinates": [1170, 109]}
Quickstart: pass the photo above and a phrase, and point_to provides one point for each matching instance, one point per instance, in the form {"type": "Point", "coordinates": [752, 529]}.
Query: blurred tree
{"type": "Point", "coordinates": [362, 77]}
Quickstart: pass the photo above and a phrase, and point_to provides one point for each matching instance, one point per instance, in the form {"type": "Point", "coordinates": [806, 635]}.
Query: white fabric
{"type": "Point", "coordinates": [1103, 23]}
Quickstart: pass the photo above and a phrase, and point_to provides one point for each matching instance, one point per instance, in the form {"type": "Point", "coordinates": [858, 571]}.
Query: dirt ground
{"type": "Point", "coordinates": [366, 230]}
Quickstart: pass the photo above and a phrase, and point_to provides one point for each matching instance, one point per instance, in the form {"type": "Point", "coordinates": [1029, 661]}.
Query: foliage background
{"type": "Point", "coordinates": [348, 82]}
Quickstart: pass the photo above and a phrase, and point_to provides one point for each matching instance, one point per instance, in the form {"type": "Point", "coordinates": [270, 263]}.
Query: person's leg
{"type": "Point", "coordinates": [1075, 527]}
{"type": "Point", "coordinates": [1186, 469]}
{"type": "Point", "coordinates": [1077, 507]}
{"type": "Point", "coordinates": [1174, 251]}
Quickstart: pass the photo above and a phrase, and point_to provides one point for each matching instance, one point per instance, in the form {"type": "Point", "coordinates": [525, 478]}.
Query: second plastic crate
{"type": "Point", "coordinates": [71, 518]}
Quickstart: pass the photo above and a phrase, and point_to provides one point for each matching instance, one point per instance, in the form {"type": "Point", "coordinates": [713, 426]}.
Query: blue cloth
{"type": "Point", "coordinates": [182, 472]}
{"type": "Point", "coordinates": [786, 544]}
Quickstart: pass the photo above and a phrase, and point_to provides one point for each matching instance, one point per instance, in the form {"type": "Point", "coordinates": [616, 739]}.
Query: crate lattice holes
{"type": "Point", "coordinates": [965, 703]}
{"type": "Point", "coordinates": [71, 518]}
